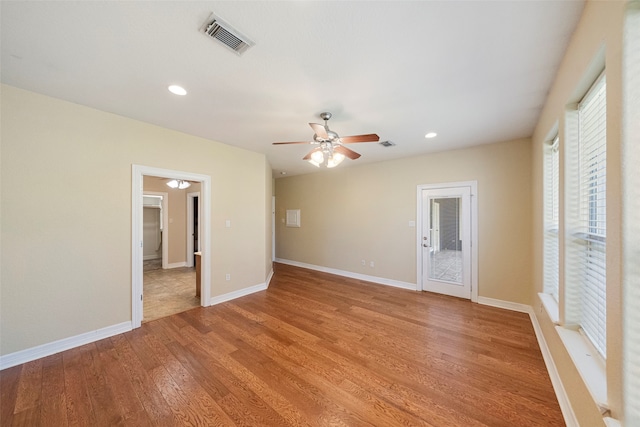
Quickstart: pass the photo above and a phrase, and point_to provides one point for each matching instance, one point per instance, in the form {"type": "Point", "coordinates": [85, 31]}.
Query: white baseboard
{"type": "Point", "coordinates": [561, 394]}
{"type": "Point", "coordinates": [176, 265]}
{"type": "Point", "coordinates": [239, 293]}
{"type": "Point", "coordinates": [149, 257]}
{"type": "Point", "coordinates": [508, 305]}
{"type": "Point", "coordinates": [352, 275]}
{"type": "Point", "coordinates": [24, 356]}
{"type": "Point", "coordinates": [269, 277]}
{"type": "Point", "coordinates": [33, 353]}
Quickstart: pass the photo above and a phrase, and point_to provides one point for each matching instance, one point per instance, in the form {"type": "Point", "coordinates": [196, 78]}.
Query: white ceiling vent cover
{"type": "Point", "coordinates": [224, 33]}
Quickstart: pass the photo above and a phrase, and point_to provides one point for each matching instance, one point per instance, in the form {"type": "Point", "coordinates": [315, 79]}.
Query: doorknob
{"type": "Point", "coordinates": [425, 245]}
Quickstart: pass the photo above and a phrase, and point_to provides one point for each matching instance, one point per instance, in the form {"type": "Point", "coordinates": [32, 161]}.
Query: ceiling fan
{"type": "Point", "coordinates": [330, 147]}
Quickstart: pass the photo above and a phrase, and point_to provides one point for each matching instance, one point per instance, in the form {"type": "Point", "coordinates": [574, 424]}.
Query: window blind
{"type": "Point", "coordinates": [551, 219]}
{"type": "Point", "coordinates": [591, 228]}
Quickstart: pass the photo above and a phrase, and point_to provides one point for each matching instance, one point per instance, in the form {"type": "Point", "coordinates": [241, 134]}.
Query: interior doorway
{"type": "Point", "coordinates": [193, 230]}
{"type": "Point", "coordinates": [168, 287]}
{"type": "Point", "coordinates": [446, 232]}
{"type": "Point", "coordinates": [204, 215]}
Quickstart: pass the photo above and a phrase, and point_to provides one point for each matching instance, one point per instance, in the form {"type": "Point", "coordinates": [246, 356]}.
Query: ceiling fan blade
{"type": "Point", "coordinates": [347, 152]}
{"type": "Point", "coordinates": [308, 156]}
{"type": "Point", "coordinates": [370, 137]}
{"type": "Point", "coordinates": [319, 130]}
{"type": "Point", "coordinates": [296, 142]}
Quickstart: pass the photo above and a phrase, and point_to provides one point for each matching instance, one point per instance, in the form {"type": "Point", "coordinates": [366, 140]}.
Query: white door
{"type": "Point", "coordinates": [446, 241]}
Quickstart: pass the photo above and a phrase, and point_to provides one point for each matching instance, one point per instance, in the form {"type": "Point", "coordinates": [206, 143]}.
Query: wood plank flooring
{"type": "Point", "coordinates": [312, 350]}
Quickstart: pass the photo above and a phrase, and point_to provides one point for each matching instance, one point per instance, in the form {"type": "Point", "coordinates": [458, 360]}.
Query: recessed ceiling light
{"type": "Point", "coordinates": [431, 135]}
{"type": "Point", "coordinates": [283, 173]}
{"type": "Point", "coordinates": [178, 90]}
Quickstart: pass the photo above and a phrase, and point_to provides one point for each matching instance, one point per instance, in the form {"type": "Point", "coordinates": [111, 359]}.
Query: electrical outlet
{"type": "Point", "coordinates": [364, 262]}
{"type": "Point", "coordinates": [372, 264]}
{"type": "Point", "coordinates": [228, 276]}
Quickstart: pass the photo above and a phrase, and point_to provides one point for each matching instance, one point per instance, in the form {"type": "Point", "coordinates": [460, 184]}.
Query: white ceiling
{"type": "Point", "coordinates": [475, 72]}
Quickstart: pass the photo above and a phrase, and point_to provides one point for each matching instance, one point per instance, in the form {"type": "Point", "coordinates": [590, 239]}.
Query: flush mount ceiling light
{"type": "Point", "coordinates": [177, 90]}
{"type": "Point", "coordinates": [431, 135]}
{"type": "Point", "coordinates": [179, 184]}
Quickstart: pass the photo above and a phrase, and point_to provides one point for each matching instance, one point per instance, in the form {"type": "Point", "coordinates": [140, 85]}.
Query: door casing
{"type": "Point", "coordinates": [191, 226]}
{"type": "Point", "coordinates": [473, 185]}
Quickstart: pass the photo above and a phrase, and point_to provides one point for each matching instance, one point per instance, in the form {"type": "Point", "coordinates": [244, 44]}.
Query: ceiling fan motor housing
{"type": "Point", "coordinates": [333, 137]}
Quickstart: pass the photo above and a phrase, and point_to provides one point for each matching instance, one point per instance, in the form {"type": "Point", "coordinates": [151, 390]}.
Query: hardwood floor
{"type": "Point", "coordinates": [312, 350]}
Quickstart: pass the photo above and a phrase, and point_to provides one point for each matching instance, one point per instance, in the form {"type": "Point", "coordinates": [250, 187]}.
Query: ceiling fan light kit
{"type": "Point", "coordinates": [179, 184]}
{"type": "Point", "coordinates": [331, 150]}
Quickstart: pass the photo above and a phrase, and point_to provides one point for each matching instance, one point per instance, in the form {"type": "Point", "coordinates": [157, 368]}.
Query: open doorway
{"type": "Point", "coordinates": [174, 287]}
{"type": "Point", "coordinates": [169, 287]}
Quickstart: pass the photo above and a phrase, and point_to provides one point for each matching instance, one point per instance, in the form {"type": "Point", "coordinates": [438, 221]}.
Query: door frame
{"type": "Point", "coordinates": [137, 174]}
{"type": "Point", "coordinates": [191, 225]}
{"type": "Point", "coordinates": [273, 228]}
{"type": "Point", "coordinates": [165, 224]}
{"type": "Point", "coordinates": [474, 231]}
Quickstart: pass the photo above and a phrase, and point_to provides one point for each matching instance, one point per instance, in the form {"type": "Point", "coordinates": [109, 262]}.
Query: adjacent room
{"type": "Point", "coordinates": [275, 213]}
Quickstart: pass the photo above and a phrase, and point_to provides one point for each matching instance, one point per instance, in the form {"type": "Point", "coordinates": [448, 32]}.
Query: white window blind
{"type": "Point", "coordinates": [590, 231]}
{"type": "Point", "coordinates": [551, 218]}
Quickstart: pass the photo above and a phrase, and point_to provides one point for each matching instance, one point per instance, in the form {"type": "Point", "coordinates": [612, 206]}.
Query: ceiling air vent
{"type": "Point", "coordinates": [224, 33]}
{"type": "Point", "coordinates": [387, 143]}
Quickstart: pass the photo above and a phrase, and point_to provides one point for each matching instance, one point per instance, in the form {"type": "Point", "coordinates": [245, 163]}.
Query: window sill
{"type": "Point", "coordinates": [551, 307]}
{"type": "Point", "coordinates": [589, 365]}
{"type": "Point", "coordinates": [611, 422]}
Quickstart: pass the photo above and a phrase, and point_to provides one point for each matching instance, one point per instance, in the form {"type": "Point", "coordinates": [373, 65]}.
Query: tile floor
{"type": "Point", "coordinates": [446, 265]}
{"type": "Point", "coordinates": [167, 292]}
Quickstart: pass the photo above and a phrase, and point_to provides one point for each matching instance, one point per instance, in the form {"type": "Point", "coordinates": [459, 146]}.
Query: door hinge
{"type": "Point", "coordinates": [140, 297]}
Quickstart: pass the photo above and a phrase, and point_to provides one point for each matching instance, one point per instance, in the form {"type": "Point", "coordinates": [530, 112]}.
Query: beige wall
{"type": "Point", "coordinates": [56, 281]}
{"type": "Point", "coordinates": [599, 30]}
{"type": "Point", "coordinates": [177, 205]}
{"type": "Point", "coordinates": [363, 212]}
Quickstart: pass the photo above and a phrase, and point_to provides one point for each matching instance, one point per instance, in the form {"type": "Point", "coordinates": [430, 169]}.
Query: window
{"type": "Point", "coordinates": [586, 221]}
{"type": "Point", "coordinates": [551, 221]}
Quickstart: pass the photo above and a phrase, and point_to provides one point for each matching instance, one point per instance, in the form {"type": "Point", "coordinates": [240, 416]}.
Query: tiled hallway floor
{"type": "Point", "coordinates": [167, 292]}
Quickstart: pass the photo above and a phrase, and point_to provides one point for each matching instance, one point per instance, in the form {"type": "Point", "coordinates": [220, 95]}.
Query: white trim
{"type": "Point", "coordinates": [44, 350]}
{"type": "Point", "coordinates": [508, 305]}
{"type": "Point", "coordinates": [273, 228]}
{"type": "Point", "coordinates": [561, 394]}
{"type": "Point", "coordinates": [138, 172]}
{"type": "Point", "coordinates": [474, 231]}
{"type": "Point", "coordinates": [165, 224]}
{"type": "Point", "coordinates": [611, 422]}
{"type": "Point", "coordinates": [374, 279]}
{"type": "Point", "coordinates": [269, 277]}
{"type": "Point", "coordinates": [239, 293]}
{"type": "Point", "coordinates": [587, 361]}
{"type": "Point", "coordinates": [551, 307]}
{"type": "Point", "coordinates": [176, 265]}
{"type": "Point", "coordinates": [150, 257]}
{"type": "Point", "coordinates": [191, 225]}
